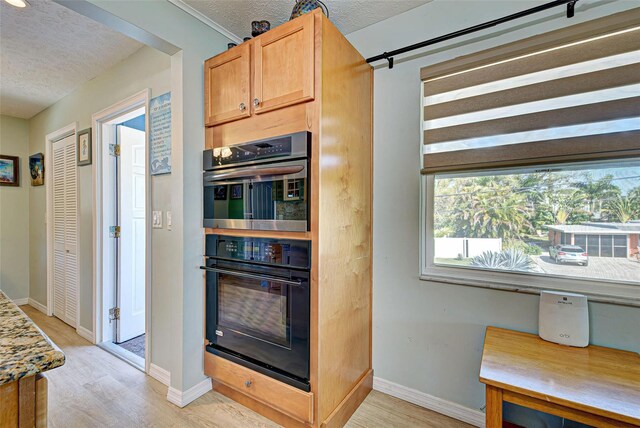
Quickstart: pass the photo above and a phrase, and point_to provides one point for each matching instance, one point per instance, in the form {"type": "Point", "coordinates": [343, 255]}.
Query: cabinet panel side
{"type": "Point", "coordinates": [345, 215]}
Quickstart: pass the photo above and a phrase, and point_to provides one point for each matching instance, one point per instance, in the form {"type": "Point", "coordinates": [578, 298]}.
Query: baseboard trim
{"type": "Point", "coordinates": [37, 305]}
{"type": "Point", "coordinates": [161, 375]}
{"type": "Point", "coordinates": [21, 302]}
{"type": "Point", "coordinates": [445, 407]}
{"type": "Point", "coordinates": [353, 400]}
{"type": "Point", "coordinates": [86, 333]}
{"type": "Point", "coordinates": [182, 398]}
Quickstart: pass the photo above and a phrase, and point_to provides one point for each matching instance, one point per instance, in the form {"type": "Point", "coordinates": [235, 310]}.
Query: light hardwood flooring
{"type": "Point", "coordinates": [96, 389]}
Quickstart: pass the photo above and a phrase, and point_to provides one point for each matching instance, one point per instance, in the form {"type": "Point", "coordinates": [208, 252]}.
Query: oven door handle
{"type": "Point", "coordinates": [252, 275]}
{"type": "Point", "coordinates": [255, 172]}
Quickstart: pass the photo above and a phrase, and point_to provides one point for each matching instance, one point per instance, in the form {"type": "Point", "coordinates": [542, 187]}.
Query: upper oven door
{"type": "Point", "coordinates": [262, 197]}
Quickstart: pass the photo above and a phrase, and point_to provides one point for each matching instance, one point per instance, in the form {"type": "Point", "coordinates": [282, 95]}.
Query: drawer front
{"type": "Point", "coordinates": [282, 397]}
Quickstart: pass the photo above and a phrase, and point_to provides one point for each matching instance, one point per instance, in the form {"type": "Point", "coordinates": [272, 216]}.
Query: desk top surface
{"type": "Point", "coordinates": [597, 380]}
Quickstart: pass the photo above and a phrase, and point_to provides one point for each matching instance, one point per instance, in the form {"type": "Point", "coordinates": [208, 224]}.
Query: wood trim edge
{"type": "Point", "coordinates": [351, 402]}
{"type": "Point", "coordinates": [563, 411]}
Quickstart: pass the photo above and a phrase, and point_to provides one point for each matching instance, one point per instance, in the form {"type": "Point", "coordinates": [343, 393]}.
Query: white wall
{"type": "Point", "coordinates": [146, 68]}
{"type": "Point", "coordinates": [14, 209]}
{"type": "Point", "coordinates": [428, 336]}
{"type": "Point", "coordinates": [179, 288]}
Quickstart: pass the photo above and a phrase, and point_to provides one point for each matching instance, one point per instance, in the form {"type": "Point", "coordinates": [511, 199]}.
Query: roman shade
{"type": "Point", "coordinates": [567, 95]}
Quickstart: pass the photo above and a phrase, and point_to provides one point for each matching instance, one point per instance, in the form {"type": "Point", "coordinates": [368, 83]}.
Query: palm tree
{"type": "Point", "coordinates": [565, 204]}
{"type": "Point", "coordinates": [562, 216]}
{"type": "Point", "coordinates": [622, 209]}
{"type": "Point", "coordinates": [597, 192]}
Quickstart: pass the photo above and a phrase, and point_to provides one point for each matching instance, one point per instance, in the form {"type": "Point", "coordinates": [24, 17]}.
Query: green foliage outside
{"type": "Point", "coordinates": [511, 259]}
{"type": "Point", "coordinates": [518, 207]}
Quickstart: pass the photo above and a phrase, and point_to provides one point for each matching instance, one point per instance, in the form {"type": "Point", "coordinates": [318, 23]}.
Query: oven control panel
{"type": "Point", "coordinates": [279, 252]}
{"type": "Point", "coordinates": [287, 146]}
{"type": "Point", "coordinates": [252, 151]}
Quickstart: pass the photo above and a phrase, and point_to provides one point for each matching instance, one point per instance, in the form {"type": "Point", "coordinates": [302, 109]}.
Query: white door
{"type": "Point", "coordinates": [65, 230]}
{"type": "Point", "coordinates": [131, 293]}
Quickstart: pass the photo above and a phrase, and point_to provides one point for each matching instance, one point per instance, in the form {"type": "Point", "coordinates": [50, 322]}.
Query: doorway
{"type": "Point", "coordinates": [130, 203]}
{"type": "Point", "coordinates": [122, 229]}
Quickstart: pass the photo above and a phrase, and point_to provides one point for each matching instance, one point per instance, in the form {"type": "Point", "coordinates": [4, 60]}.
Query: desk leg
{"type": "Point", "coordinates": [494, 407]}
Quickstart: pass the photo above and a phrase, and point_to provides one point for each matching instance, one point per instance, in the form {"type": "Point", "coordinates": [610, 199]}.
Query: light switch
{"type": "Point", "coordinates": [169, 224]}
{"type": "Point", "coordinates": [157, 220]}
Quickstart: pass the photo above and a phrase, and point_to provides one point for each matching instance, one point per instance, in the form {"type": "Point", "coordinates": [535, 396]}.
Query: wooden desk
{"type": "Point", "coordinates": [594, 385]}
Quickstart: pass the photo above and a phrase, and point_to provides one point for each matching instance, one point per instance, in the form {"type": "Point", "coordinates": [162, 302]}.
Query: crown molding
{"type": "Point", "coordinates": [206, 20]}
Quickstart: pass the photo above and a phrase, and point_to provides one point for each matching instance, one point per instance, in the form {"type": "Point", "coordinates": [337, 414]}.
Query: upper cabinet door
{"type": "Point", "coordinates": [226, 86]}
{"type": "Point", "coordinates": [284, 65]}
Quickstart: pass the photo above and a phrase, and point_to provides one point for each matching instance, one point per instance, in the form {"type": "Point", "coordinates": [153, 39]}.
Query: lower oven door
{"type": "Point", "coordinates": [260, 197]}
{"type": "Point", "coordinates": [261, 315]}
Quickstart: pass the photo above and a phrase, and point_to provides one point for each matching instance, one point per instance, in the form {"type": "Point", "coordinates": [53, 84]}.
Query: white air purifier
{"type": "Point", "coordinates": [564, 318]}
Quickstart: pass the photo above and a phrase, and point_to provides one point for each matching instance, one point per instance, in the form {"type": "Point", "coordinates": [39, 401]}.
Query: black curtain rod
{"type": "Point", "coordinates": [389, 55]}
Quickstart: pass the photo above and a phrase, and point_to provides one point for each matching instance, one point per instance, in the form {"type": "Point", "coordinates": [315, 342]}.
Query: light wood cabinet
{"type": "Point", "coordinates": [308, 77]}
{"type": "Point", "coordinates": [287, 399]}
{"type": "Point", "coordinates": [283, 65]}
{"type": "Point", "coordinates": [23, 403]}
{"type": "Point", "coordinates": [269, 72]}
{"type": "Point", "coordinates": [227, 86]}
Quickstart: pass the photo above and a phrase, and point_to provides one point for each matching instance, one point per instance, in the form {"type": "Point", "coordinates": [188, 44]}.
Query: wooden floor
{"type": "Point", "coordinates": [96, 389]}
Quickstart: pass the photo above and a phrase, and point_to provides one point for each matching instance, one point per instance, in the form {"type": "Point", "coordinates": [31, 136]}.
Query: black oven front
{"type": "Point", "coordinates": [257, 305]}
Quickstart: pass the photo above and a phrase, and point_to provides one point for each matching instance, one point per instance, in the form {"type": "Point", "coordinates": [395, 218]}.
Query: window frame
{"type": "Point", "coordinates": [609, 291]}
{"type": "Point", "coordinates": [526, 282]}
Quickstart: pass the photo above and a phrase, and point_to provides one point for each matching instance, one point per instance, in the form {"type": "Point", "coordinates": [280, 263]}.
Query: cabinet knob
{"type": "Point", "coordinates": [256, 102]}
{"type": "Point", "coordinates": [242, 107]}
{"type": "Point", "coordinates": [247, 383]}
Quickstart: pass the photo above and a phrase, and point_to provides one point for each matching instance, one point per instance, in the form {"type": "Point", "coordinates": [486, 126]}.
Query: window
{"type": "Point", "coordinates": [532, 163]}
{"type": "Point", "coordinates": [508, 220]}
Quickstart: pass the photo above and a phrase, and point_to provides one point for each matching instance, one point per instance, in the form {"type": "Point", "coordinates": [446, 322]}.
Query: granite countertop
{"type": "Point", "coordinates": [24, 349]}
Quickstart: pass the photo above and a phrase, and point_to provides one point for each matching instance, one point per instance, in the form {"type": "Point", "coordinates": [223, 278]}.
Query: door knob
{"type": "Point", "coordinates": [256, 102]}
{"type": "Point", "coordinates": [243, 107]}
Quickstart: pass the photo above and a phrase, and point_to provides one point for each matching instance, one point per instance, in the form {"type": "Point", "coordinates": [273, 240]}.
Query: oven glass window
{"type": "Point", "coordinates": [254, 307]}
{"type": "Point", "coordinates": [280, 199]}
{"type": "Point", "coordinates": [228, 201]}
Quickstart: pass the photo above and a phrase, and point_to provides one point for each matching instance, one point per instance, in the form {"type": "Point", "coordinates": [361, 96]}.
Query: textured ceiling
{"type": "Point", "coordinates": [347, 15]}
{"type": "Point", "coordinates": [47, 50]}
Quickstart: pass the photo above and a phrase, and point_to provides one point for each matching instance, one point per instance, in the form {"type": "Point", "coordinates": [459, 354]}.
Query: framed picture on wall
{"type": "Point", "coordinates": [84, 147]}
{"type": "Point", "coordinates": [36, 169]}
{"type": "Point", "coordinates": [9, 170]}
{"type": "Point", "coordinates": [236, 191]}
{"type": "Point", "coordinates": [220, 193]}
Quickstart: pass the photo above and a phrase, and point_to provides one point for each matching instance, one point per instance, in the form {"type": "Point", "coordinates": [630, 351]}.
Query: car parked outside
{"type": "Point", "coordinates": [569, 254]}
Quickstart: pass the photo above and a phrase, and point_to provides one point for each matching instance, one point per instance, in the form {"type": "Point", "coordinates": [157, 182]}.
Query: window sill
{"type": "Point", "coordinates": [626, 294]}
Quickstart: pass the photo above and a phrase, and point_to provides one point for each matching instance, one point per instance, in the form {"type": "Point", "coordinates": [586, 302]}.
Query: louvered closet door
{"type": "Point", "coordinates": [65, 230]}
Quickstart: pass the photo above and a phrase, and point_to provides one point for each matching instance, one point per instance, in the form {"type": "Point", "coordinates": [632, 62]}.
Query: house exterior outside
{"type": "Point", "coordinates": [599, 239]}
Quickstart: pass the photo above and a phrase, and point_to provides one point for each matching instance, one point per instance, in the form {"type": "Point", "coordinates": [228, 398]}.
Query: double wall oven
{"type": "Point", "coordinates": [257, 304]}
{"type": "Point", "coordinates": [261, 185]}
{"type": "Point", "coordinates": [257, 289]}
